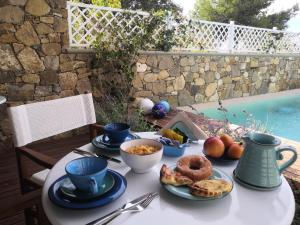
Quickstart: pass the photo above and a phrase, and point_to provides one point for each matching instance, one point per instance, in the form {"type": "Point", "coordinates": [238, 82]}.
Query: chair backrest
{"type": "Point", "coordinates": [36, 121]}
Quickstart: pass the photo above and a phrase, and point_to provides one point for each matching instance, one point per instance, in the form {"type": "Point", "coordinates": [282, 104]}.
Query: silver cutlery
{"type": "Point", "coordinates": [136, 205]}
{"type": "Point", "coordinates": [138, 208]}
{"type": "Point", "coordinates": [86, 153]}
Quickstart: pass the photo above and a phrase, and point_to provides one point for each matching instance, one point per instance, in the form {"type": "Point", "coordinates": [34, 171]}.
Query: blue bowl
{"type": "Point", "coordinates": [115, 132]}
{"type": "Point", "coordinates": [173, 151]}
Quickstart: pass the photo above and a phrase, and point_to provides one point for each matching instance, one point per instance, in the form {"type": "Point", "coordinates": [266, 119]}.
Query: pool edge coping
{"type": "Point", "coordinates": [233, 101]}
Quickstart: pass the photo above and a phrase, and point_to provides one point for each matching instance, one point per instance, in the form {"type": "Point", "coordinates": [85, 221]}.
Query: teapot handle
{"type": "Point", "coordinates": [285, 165]}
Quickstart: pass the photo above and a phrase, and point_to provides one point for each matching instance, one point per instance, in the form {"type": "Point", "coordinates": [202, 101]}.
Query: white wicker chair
{"type": "Point", "coordinates": [37, 121]}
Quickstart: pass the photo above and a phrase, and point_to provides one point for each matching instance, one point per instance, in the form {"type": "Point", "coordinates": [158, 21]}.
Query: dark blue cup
{"type": "Point", "coordinates": [87, 173]}
{"type": "Point", "coordinates": [115, 132]}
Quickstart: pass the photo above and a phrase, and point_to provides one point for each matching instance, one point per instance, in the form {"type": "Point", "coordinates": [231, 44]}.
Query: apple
{"type": "Point", "coordinates": [227, 140]}
{"type": "Point", "coordinates": [214, 147]}
{"type": "Point", "coordinates": [235, 150]}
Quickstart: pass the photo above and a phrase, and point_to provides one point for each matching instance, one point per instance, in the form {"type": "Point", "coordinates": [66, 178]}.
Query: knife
{"type": "Point", "coordinates": [79, 151]}
{"type": "Point", "coordinates": [124, 208]}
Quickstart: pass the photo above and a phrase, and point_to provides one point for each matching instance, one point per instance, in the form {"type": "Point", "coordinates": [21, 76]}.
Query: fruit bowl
{"type": "Point", "coordinates": [222, 149]}
{"type": "Point", "coordinates": [223, 159]}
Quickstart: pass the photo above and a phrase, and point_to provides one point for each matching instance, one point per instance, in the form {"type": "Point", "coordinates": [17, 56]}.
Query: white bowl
{"type": "Point", "coordinates": [141, 163]}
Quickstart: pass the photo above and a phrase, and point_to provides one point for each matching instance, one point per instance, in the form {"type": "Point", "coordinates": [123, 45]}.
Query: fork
{"type": "Point", "coordinates": [138, 208]}
{"type": "Point", "coordinates": [143, 205]}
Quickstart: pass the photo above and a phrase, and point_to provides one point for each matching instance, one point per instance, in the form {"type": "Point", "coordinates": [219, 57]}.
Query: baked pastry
{"type": "Point", "coordinates": [195, 167]}
{"type": "Point", "coordinates": [210, 188]}
{"type": "Point", "coordinates": [169, 176]}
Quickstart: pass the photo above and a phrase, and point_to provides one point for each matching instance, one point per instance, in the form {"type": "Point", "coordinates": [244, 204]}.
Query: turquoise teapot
{"type": "Point", "coordinates": [258, 167]}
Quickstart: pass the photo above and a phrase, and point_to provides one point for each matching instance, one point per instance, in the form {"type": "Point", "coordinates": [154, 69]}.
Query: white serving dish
{"type": "Point", "coordinates": [141, 163]}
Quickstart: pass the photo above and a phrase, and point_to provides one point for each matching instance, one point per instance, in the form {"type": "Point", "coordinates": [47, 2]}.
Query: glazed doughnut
{"type": "Point", "coordinates": [195, 167]}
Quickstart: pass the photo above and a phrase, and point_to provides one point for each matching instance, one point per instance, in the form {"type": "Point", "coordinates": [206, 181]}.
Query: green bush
{"type": "Point", "coordinates": [115, 109]}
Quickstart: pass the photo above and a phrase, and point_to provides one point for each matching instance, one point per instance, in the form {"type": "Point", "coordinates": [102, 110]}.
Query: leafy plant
{"type": "Point", "coordinates": [151, 5]}
{"type": "Point", "coordinates": [272, 43]}
{"type": "Point", "coordinates": [107, 3]}
{"type": "Point", "coordinates": [244, 12]}
{"type": "Point", "coordinates": [112, 109]}
{"type": "Point", "coordinates": [117, 49]}
{"type": "Point", "coordinates": [118, 45]}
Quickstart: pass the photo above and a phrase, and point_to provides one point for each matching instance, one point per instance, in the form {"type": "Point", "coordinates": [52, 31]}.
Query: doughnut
{"type": "Point", "coordinates": [195, 167]}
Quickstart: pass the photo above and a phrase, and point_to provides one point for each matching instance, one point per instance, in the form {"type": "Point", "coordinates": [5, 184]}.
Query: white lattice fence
{"type": "Point", "coordinates": [87, 21]}
{"type": "Point", "coordinates": [252, 39]}
{"type": "Point", "coordinates": [290, 42]}
{"type": "Point", "coordinates": [201, 35]}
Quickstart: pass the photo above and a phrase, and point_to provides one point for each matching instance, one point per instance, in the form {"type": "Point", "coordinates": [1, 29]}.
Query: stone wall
{"type": "Point", "coordinates": [34, 63]}
{"type": "Point", "coordinates": [184, 79]}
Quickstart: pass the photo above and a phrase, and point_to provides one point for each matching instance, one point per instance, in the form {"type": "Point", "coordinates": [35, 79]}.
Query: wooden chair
{"type": "Point", "coordinates": [37, 121]}
{"type": "Point", "coordinates": [12, 206]}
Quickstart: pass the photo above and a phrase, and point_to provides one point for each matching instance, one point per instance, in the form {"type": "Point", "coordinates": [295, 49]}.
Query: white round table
{"type": "Point", "coordinates": [241, 206]}
{"type": "Point", "coordinates": [2, 100]}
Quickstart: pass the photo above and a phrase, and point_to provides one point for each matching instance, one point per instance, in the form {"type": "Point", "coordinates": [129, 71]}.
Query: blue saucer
{"type": "Point", "coordinates": [112, 148]}
{"type": "Point", "coordinates": [58, 198]}
{"type": "Point", "coordinates": [113, 144]}
{"type": "Point", "coordinates": [69, 190]}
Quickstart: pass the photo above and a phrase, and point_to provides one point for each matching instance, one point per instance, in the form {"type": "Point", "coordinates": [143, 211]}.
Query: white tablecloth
{"type": "Point", "coordinates": [242, 206]}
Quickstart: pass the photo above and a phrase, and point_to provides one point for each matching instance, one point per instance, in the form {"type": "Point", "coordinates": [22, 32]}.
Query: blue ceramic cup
{"type": "Point", "coordinates": [87, 173]}
{"type": "Point", "coordinates": [115, 132]}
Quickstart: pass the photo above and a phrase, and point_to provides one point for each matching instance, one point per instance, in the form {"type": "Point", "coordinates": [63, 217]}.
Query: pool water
{"type": "Point", "coordinates": [281, 116]}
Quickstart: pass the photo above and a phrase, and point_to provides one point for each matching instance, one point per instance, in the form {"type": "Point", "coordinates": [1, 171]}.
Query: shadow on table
{"type": "Point", "coordinates": [149, 181]}
{"type": "Point", "coordinates": [218, 208]}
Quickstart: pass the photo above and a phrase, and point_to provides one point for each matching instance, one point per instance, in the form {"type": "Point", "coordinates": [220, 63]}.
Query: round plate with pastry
{"type": "Point", "coordinates": [200, 182]}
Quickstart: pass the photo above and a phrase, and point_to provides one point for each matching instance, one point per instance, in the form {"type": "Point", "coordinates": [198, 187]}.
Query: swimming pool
{"type": "Point", "coordinates": [280, 115]}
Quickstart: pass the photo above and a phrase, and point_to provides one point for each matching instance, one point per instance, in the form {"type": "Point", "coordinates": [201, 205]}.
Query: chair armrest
{"type": "Point", "coordinates": [12, 205]}
{"type": "Point", "coordinates": [37, 157]}
{"type": "Point", "coordinates": [94, 129]}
